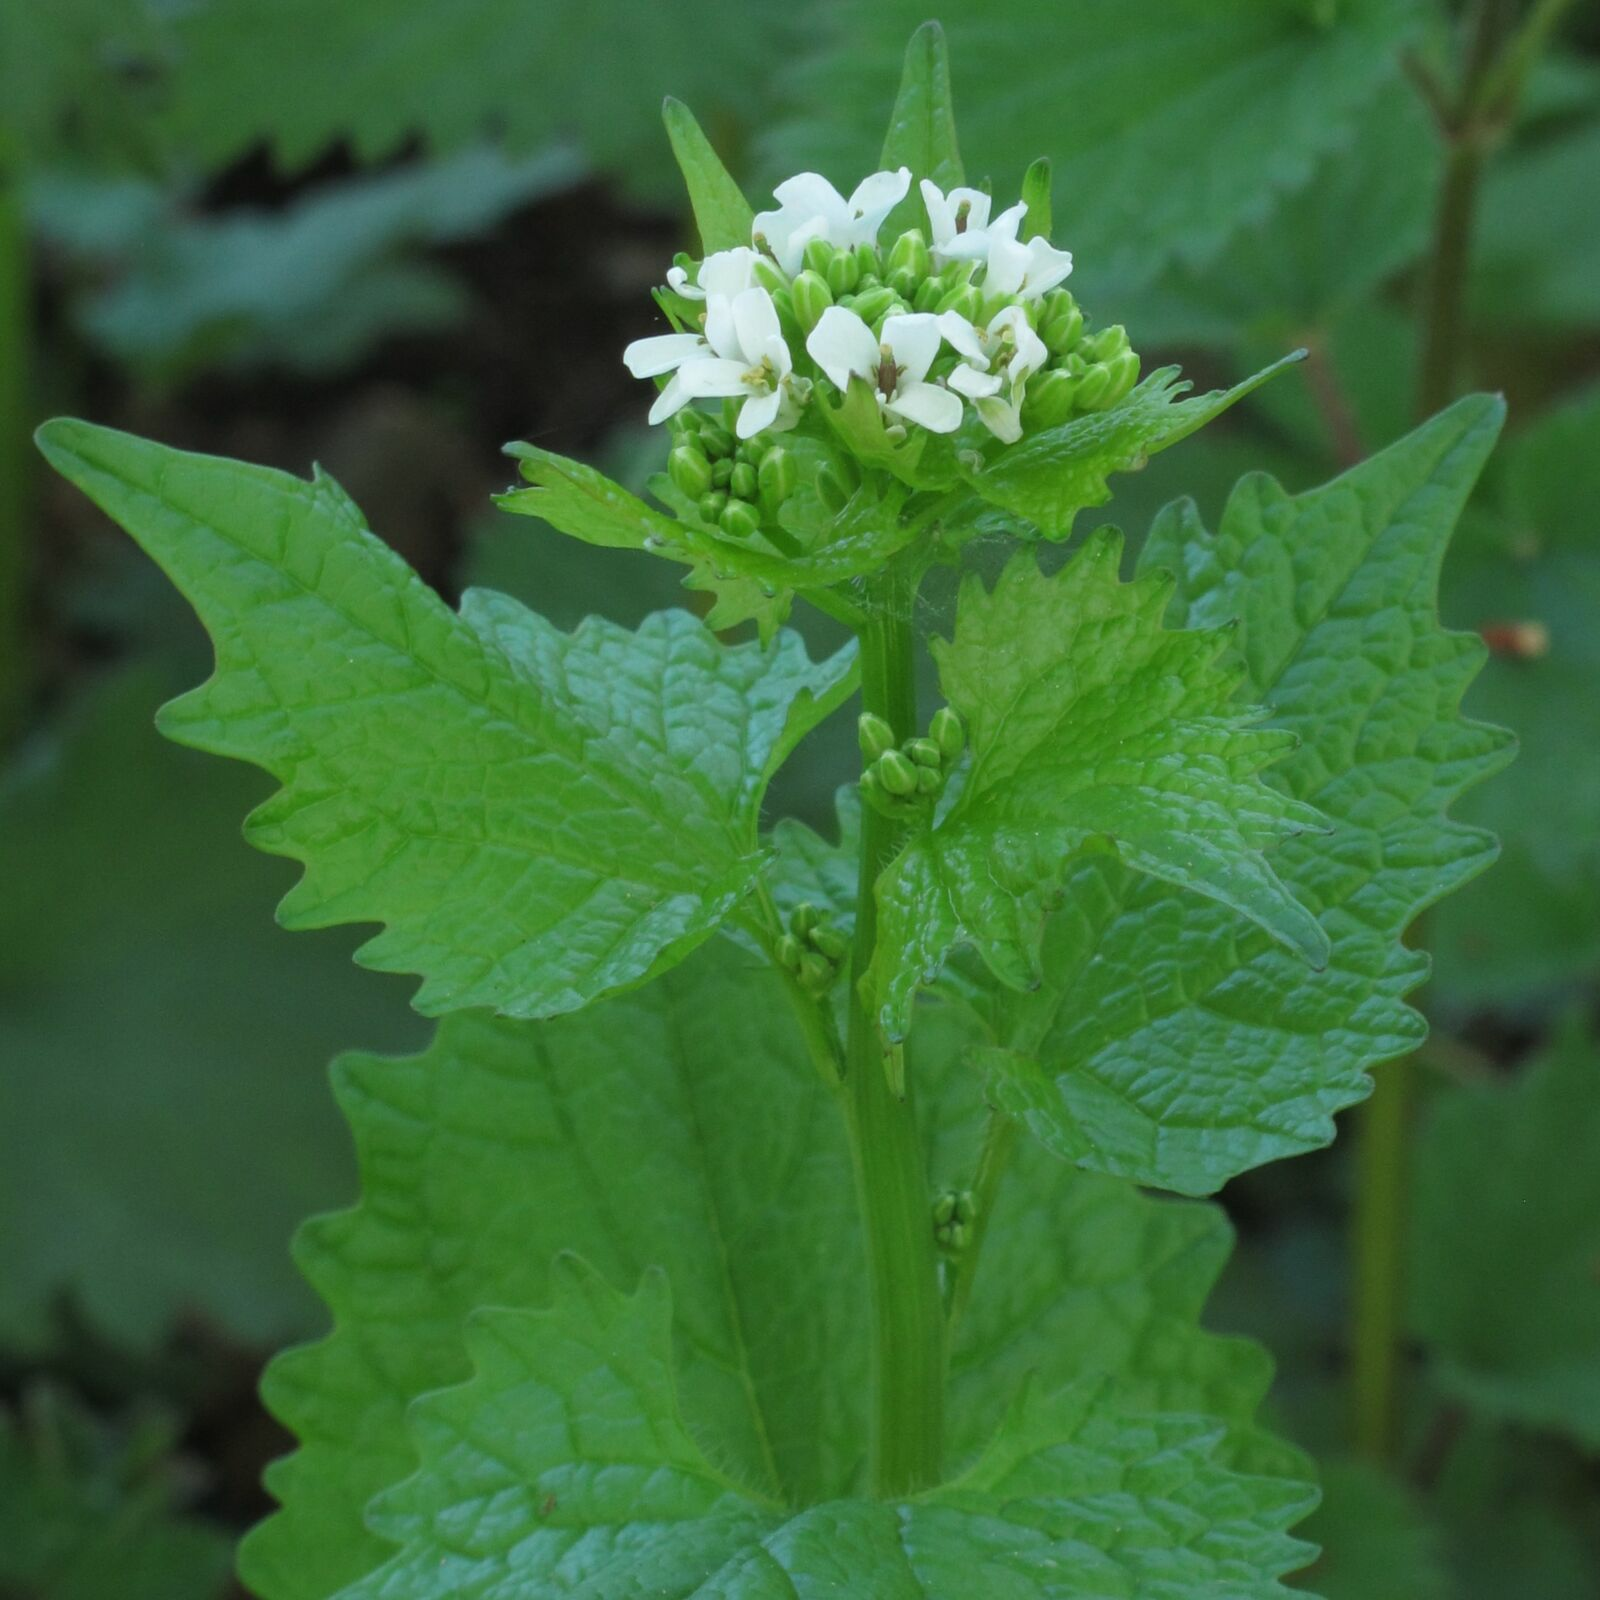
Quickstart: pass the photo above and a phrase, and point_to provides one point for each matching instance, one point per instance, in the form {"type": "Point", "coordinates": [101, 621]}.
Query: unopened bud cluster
{"type": "Point", "coordinates": [954, 1213]}
{"type": "Point", "coordinates": [813, 949]}
{"type": "Point", "coordinates": [737, 486]}
{"type": "Point", "coordinates": [901, 780]}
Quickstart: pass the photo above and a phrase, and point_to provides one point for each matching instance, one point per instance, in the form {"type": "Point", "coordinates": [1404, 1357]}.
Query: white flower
{"type": "Point", "coordinates": [1027, 270]}
{"type": "Point", "coordinates": [961, 226]}
{"type": "Point", "coordinates": [728, 272]}
{"type": "Point", "coordinates": [997, 362]}
{"type": "Point", "coordinates": [741, 354]}
{"type": "Point", "coordinates": [896, 366]}
{"type": "Point", "coordinates": [811, 208]}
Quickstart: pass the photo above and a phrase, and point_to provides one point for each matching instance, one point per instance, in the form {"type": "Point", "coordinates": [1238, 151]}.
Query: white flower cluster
{"type": "Point", "coordinates": [741, 352]}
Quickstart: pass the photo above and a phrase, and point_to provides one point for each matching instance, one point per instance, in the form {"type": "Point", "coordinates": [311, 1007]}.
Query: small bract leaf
{"type": "Point", "coordinates": [1050, 476]}
{"type": "Point", "coordinates": [721, 212]}
{"type": "Point", "coordinates": [922, 126]}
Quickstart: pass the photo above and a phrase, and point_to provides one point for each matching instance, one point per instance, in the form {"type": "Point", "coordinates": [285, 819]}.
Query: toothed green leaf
{"type": "Point", "coordinates": [650, 1131]}
{"type": "Point", "coordinates": [1093, 729]}
{"type": "Point", "coordinates": [1050, 476]}
{"type": "Point", "coordinates": [721, 212]}
{"type": "Point", "coordinates": [565, 1462]}
{"type": "Point", "coordinates": [1171, 1041]}
{"type": "Point", "coordinates": [922, 127]}
{"type": "Point", "coordinates": [538, 818]}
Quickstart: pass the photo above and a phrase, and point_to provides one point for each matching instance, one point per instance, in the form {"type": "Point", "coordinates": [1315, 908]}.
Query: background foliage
{"type": "Point", "coordinates": [389, 235]}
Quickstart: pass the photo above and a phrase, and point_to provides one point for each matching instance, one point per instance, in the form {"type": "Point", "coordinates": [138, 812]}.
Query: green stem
{"type": "Point", "coordinates": [15, 451]}
{"type": "Point", "coordinates": [891, 1181]}
{"type": "Point", "coordinates": [999, 1140]}
{"type": "Point", "coordinates": [1380, 1210]}
{"type": "Point", "coordinates": [1445, 276]}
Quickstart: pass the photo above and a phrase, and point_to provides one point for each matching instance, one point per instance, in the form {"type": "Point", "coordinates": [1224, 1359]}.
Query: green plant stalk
{"type": "Point", "coordinates": [1380, 1211]}
{"type": "Point", "coordinates": [908, 1366]}
{"type": "Point", "coordinates": [1445, 275]}
{"type": "Point", "coordinates": [16, 452]}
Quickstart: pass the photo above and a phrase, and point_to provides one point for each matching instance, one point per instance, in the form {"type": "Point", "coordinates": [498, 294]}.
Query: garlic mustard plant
{"type": "Point", "coordinates": [770, 1213]}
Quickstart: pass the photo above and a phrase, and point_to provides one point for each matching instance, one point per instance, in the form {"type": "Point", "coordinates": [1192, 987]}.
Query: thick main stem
{"type": "Point", "coordinates": [908, 1366]}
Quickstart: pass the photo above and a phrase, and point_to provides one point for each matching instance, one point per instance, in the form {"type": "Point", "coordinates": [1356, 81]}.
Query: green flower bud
{"type": "Point", "coordinates": [957, 274]}
{"type": "Point", "coordinates": [811, 296]}
{"type": "Point", "coordinates": [1107, 344]}
{"type": "Point", "coordinates": [1060, 322]}
{"type": "Point", "coordinates": [875, 735]}
{"type": "Point", "coordinates": [843, 273]}
{"type": "Point", "coordinates": [689, 470]}
{"type": "Point", "coordinates": [957, 1237]}
{"type": "Point", "coordinates": [904, 282]}
{"type": "Point", "coordinates": [946, 731]}
{"type": "Point", "coordinates": [1124, 370]}
{"type": "Point", "coordinates": [788, 951]}
{"type": "Point", "coordinates": [831, 491]}
{"type": "Point", "coordinates": [929, 780]}
{"type": "Point", "coordinates": [802, 919]}
{"type": "Point", "coordinates": [1093, 387]}
{"type": "Point", "coordinates": [830, 941]}
{"type": "Point", "coordinates": [910, 254]}
{"type": "Point", "coordinates": [1050, 398]}
{"type": "Point", "coordinates": [944, 1208]}
{"type": "Point", "coordinates": [818, 256]}
{"type": "Point", "coordinates": [896, 773]}
{"type": "Point", "coordinates": [769, 275]}
{"type": "Point", "coordinates": [721, 472]}
{"type": "Point", "coordinates": [777, 477]}
{"type": "Point", "coordinates": [715, 438]}
{"type": "Point", "coordinates": [739, 519]}
{"type": "Point", "coordinates": [925, 753]}
{"type": "Point", "coordinates": [964, 300]}
{"type": "Point", "coordinates": [713, 504]}
{"type": "Point", "coordinates": [688, 420]}
{"type": "Point", "coordinates": [817, 972]}
{"type": "Point", "coordinates": [875, 304]}
{"type": "Point", "coordinates": [929, 293]}
{"type": "Point", "coordinates": [742, 485]}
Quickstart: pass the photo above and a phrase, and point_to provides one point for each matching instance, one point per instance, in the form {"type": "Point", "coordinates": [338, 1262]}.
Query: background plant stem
{"type": "Point", "coordinates": [1382, 1171]}
{"type": "Point", "coordinates": [891, 1180]}
{"type": "Point", "coordinates": [15, 448]}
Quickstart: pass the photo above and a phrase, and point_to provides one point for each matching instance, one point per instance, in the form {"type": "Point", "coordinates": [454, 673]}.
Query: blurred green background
{"type": "Point", "coordinates": [388, 235]}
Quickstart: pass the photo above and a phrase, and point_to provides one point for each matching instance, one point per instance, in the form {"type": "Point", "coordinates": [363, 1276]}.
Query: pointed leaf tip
{"type": "Point", "coordinates": [721, 213]}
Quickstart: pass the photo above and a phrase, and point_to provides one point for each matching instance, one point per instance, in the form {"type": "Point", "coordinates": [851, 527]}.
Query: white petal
{"type": "Point", "coordinates": [1006, 224]}
{"type": "Point", "coordinates": [671, 399]}
{"type": "Point", "coordinates": [842, 345]}
{"type": "Point", "coordinates": [678, 282]}
{"type": "Point", "coordinates": [963, 337]}
{"type": "Point", "coordinates": [758, 412]}
{"type": "Point", "coordinates": [1008, 265]}
{"type": "Point", "coordinates": [929, 406]}
{"type": "Point", "coordinates": [1047, 266]}
{"type": "Point", "coordinates": [941, 214]}
{"type": "Point", "coordinates": [728, 271]}
{"type": "Point", "coordinates": [1002, 419]}
{"type": "Point", "coordinates": [973, 384]}
{"type": "Point", "coordinates": [1031, 355]}
{"type": "Point", "coordinates": [777, 352]}
{"type": "Point", "coordinates": [711, 378]}
{"type": "Point", "coordinates": [649, 358]}
{"type": "Point", "coordinates": [874, 198]}
{"type": "Point", "coordinates": [809, 194]}
{"type": "Point", "coordinates": [755, 321]}
{"type": "Point", "coordinates": [977, 204]}
{"type": "Point", "coordinates": [915, 340]}
{"type": "Point", "coordinates": [722, 332]}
